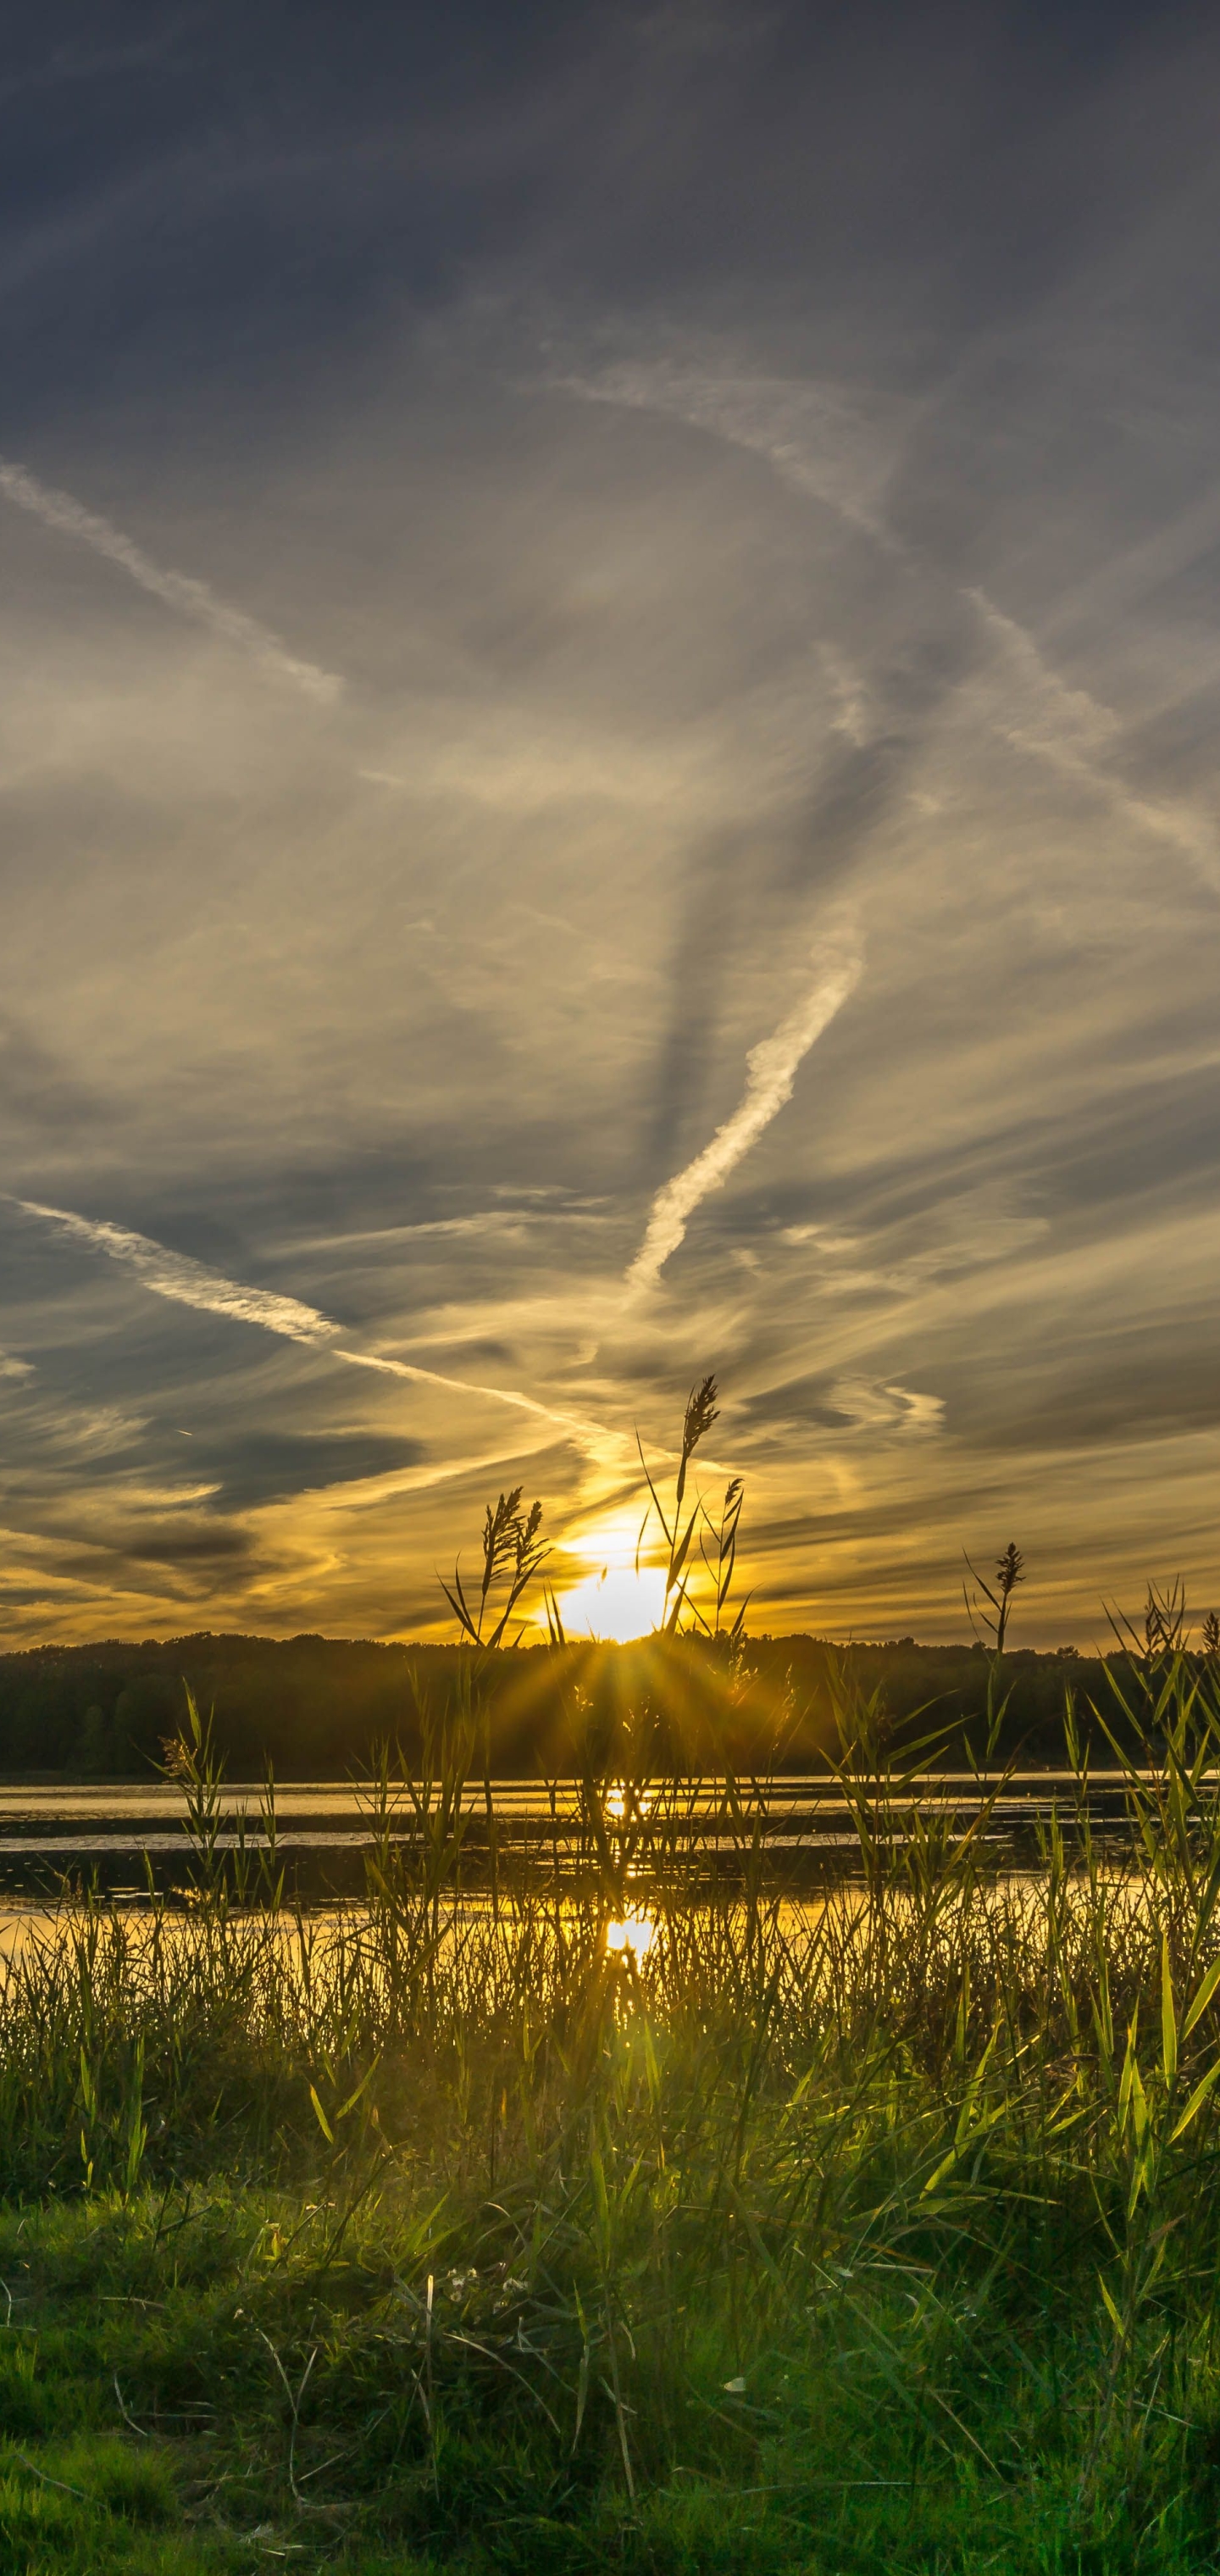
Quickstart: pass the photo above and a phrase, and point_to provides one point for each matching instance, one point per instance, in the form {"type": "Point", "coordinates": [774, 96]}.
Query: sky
{"type": "Point", "coordinates": [609, 677]}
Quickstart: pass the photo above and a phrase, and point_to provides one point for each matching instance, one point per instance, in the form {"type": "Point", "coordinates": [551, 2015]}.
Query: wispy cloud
{"type": "Point", "coordinates": [587, 1435]}
{"type": "Point", "coordinates": [831, 446]}
{"type": "Point", "coordinates": [71, 63]}
{"type": "Point", "coordinates": [186, 1282]}
{"type": "Point", "coordinates": [872, 1406]}
{"type": "Point", "coordinates": [772, 1072]}
{"type": "Point", "coordinates": [814, 435]}
{"type": "Point", "coordinates": [1074, 733]}
{"type": "Point", "coordinates": [179, 590]}
{"type": "Point", "coordinates": [191, 1283]}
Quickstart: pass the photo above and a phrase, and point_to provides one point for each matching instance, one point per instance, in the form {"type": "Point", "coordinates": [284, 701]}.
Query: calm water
{"type": "Point", "coordinates": [116, 1831]}
{"type": "Point", "coordinates": [138, 1815]}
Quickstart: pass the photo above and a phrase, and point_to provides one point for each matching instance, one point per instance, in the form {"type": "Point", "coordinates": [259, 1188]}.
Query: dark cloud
{"type": "Point", "coordinates": [36, 1088]}
{"type": "Point", "coordinates": [271, 1466]}
{"type": "Point", "coordinates": [750, 477]}
{"type": "Point", "coordinates": [805, 1400]}
{"type": "Point", "coordinates": [1140, 1392]}
{"type": "Point", "coordinates": [203, 1545]}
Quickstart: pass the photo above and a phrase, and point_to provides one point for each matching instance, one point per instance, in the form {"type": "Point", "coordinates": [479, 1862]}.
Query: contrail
{"type": "Point", "coordinates": [187, 1282]}
{"type": "Point", "coordinates": [810, 434]}
{"type": "Point", "coordinates": [1073, 732]}
{"type": "Point", "coordinates": [772, 1071]}
{"type": "Point", "coordinates": [817, 442]}
{"type": "Point", "coordinates": [190, 1283]}
{"type": "Point", "coordinates": [179, 590]}
{"type": "Point", "coordinates": [583, 1432]}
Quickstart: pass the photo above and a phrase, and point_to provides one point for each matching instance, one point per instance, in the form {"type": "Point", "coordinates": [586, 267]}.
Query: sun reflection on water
{"type": "Point", "coordinates": [631, 1936]}
{"type": "Point", "coordinates": [618, 1798]}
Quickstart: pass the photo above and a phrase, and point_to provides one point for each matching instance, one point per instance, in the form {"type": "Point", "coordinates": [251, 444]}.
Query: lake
{"type": "Point", "coordinates": [119, 1831]}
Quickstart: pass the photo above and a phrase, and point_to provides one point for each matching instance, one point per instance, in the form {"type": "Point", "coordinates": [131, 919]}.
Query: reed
{"type": "Point", "coordinates": [648, 2217]}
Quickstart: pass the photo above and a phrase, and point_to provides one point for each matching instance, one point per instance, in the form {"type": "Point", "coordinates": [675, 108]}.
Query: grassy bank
{"type": "Point", "coordinates": [881, 2233]}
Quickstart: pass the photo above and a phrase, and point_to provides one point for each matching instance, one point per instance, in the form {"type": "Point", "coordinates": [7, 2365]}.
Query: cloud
{"type": "Point", "coordinates": [190, 1283]}
{"type": "Point", "coordinates": [184, 1543]}
{"type": "Point", "coordinates": [831, 446]}
{"type": "Point", "coordinates": [871, 561]}
{"type": "Point", "coordinates": [773, 1067]}
{"type": "Point", "coordinates": [591, 1436]}
{"type": "Point", "coordinates": [268, 1465]}
{"type": "Point", "coordinates": [870, 1406]}
{"type": "Point", "coordinates": [36, 1088]}
{"type": "Point", "coordinates": [823, 443]}
{"type": "Point", "coordinates": [71, 62]}
{"type": "Point", "coordinates": [179, 590]}
{"type": "Point", "coordinates": [1074, 733]}
{"type": "Point", "coordinates": [851, 1405]}
{"type": "Point", "coordinates": [186, 1282]}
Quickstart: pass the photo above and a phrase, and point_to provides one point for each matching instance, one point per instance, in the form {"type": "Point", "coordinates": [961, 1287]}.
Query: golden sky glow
{"type": "Point", "coordinates": [608, 769]}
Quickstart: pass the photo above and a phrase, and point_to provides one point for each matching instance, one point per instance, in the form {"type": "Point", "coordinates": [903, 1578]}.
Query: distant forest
{"type": "Point", "coordinates": [319, 1707]}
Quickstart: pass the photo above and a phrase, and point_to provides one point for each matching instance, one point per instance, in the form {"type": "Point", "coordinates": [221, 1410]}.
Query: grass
{"type": "Point", "coordinates": [880, 2232]}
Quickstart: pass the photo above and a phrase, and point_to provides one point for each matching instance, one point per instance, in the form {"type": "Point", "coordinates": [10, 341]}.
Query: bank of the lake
{"type": "Point", "coordinates": [643, 2223]}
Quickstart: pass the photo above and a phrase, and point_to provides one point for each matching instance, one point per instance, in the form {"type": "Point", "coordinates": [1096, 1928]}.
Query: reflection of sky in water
{"type": "Point", "coordinates": [623, 1800]}
{"type": "Point", "coordinates": [630, 1936]}
{"type": "Point", "coordinates": [806, 1821]}
{"type": "Point", "coordinates": [791, 1925]}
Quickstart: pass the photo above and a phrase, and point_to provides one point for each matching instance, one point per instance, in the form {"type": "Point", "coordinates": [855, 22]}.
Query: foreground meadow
{"type": "Point", "coordinates": [633, 2220]}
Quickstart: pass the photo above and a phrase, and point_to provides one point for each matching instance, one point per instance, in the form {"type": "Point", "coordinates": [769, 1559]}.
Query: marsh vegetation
{"type": "Point", "coordinates": [619, 2201]}
{"type": "Point", "coordinates": [623, 2217]}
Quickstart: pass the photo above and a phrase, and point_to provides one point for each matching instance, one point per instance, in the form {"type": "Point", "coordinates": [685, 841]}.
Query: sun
{"type": "Point", "coordinates": [620, 1601]}
{"type": "Point", "coordinates": [617, 1605]}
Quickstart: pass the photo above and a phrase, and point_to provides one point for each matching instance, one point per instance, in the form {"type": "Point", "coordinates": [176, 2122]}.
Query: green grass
{"type": "Point", "coordinates": [859, 2440]}
{"type": "Point", "coordinates": [879, 2235]}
